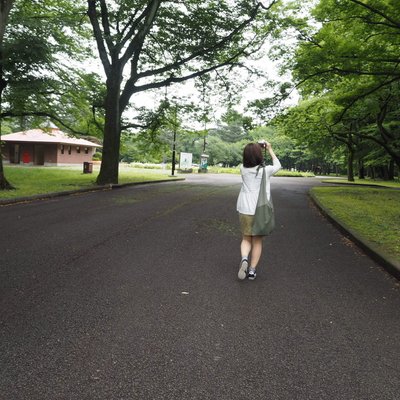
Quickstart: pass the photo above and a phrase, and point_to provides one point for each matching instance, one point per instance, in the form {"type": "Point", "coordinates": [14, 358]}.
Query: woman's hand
{"type": "Point", "coordinates": [268, 146]}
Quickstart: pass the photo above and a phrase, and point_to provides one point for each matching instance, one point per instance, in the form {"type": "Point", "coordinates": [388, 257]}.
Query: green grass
{"type": "Point", "coordinates": [344, 181]}
{"type": "Point", "coordinates": [282, 172]}
{"type": "Point", "coordinates": [294, 174]}
{"type": "Point", "coordinates": [372, 213]}
{"type": "Point", "coordinates": [30, 181]}
{"type": "Point", "coordinates": [223, 170]}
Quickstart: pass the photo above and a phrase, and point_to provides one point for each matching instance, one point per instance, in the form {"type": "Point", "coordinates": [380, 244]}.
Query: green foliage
{"type": "Point", "coordinates": [345, 67]}
{"type": "Point", "coordinates": [96, 156]}
{"type": "Point", "coordinates": [166, 42]}
{"type": "Point", "coordinates": [42, 42]}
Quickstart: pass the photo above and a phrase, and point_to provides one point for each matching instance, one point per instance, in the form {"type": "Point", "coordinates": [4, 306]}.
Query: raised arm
{"type": "Point", "coordinates": [276, 165]}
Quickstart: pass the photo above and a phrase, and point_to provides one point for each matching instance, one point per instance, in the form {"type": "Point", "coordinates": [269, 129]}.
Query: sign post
{"type": "Point", "coordinates": [203, 163]}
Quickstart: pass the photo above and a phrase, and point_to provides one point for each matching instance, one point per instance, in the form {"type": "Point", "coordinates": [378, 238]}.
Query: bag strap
{"type": "Point", "coordinates": [262, 165]}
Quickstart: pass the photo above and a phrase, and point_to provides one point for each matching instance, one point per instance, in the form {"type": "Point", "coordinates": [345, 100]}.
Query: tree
{"type": "Point", "coordinates": [309, 125]}
{"type": "Point", "coordinates": [348, 57]}
{"type": "Point", "coordinates": [40, 42]}
{"type": "Point", "coordinates": [162, 43]}
{"type": "Point", "coordinates": [5, 8]}
{"type": "Point", "coordinates": [233, 127]}
{"type": "Point", "coordinates": [45, 42]}
{"type": "Point", "coordinates": [356, 38]}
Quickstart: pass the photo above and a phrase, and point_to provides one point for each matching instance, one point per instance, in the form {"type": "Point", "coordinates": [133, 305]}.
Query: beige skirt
{"type": "Point", "coordinates": [246, 224]}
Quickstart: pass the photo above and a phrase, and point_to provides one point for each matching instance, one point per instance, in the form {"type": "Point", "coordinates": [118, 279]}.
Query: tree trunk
{"type": "Point", "coordinates": [361, 169]}
{"type": "Point", "coordinates": [391, 170]}
{"type": "Point", "coordinates": [396, 161]}
{"type": "Point", "coordinates": [5, 7]}
{"type": "Point", "coordinates": [112, 134]}
{"type": "Point", "coordinates": [350, 167]}
{"type": "Point", "coordinates": [4, 184]}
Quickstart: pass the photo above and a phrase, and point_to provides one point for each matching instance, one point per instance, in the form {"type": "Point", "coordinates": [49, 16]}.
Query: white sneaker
{"type": "Point", "coordinates": [244, 265]}
{"type": "Point", "coordinates": [252, 274]}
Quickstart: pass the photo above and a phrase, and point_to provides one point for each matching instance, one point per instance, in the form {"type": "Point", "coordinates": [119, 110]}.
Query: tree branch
{"type": "Point", "coordinates": [342, 71]}
{"type": "Point", "coordinates": [173, 79]}
{"type": "Point", "coordinates": [136, 45]}
{"type": "Point", "coordinates": [130, 87]}
{"type": "Point", "coordinates": [134, 126]}
{"type": "Point", "coordinates": [106, 26]}
{"type": "Point", "coordinates": [92, 13]}
{"type": "Point", "coordinates": [363, 95]}
{"type": "Point", "coordinates": [269, 6]}
{"type": "Point", "coordinates": [375, 11]}
{"type": "Point", "coordinates": [202, 52]}
{"type": "Point", "coordinates": [388, 149]}
{"type": "Point", "coordinates": [133, 24]}
{"type": "Point", "coordinates": [41, 114]}
{"type": "Point", "coordinates": [374, 60]}
{"type": "Point", "coordinates": [364, 19]}
{"type": "Point", "coordinates": [380, 118]}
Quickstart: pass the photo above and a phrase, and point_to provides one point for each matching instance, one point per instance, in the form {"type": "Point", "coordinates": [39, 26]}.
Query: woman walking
{"type": "Point", "coordinates": [252, 172]}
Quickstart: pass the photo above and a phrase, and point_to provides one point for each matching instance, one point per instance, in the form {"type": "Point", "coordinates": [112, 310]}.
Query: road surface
{"type": "Point", "coordinates": [133, 294]}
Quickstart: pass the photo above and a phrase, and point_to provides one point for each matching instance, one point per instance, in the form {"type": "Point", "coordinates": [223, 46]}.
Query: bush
{"type": "Point", "coordinates": [149, 166]}
{"type": "Point", "coordinates": [97, 156]}
{"type": "Point", "coordinates": [294, 174]}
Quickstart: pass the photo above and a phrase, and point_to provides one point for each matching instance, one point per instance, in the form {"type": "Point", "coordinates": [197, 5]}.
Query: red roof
{"type": "Point", "coordinates": [46, 136]}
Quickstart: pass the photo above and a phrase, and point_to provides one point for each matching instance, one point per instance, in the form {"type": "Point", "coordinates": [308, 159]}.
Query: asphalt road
{"type": "Point", "coordinates": [133, 294]}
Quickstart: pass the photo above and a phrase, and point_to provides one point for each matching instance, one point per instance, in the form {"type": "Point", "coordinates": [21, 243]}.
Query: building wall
{"type": "Point", "coordinates": [46, 154]}
{"type": "Point", "coordinates": [67, 154]}
{"type": "Point", "coordinates": [50, 154]}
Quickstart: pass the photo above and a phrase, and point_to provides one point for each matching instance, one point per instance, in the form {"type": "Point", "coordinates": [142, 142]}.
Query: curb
{"type": "Point", "coordinates": [370, 185]}
{"type": "Point", "coordinates": [391, 265]}
{"type": "Point", "coordinates": [28, 199]}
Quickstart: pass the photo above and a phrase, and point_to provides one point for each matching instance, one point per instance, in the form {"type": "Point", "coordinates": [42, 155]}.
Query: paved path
{"type": "Point", "coordinates": [132, 294]}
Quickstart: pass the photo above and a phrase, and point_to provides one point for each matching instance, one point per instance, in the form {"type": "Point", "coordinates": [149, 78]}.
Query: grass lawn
{"type": "Point", "coordinates": [373, 213]}
{"type": "Point", "coordinates": [282, 172]}
{"type": "Point", "coordinates": [344, 181]}
{"type": "Point", "coordinates": [30, 181]}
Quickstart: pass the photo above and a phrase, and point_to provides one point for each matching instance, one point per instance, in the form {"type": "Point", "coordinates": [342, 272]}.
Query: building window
{"type": "Point", "coordinates": [62, 149]}
{"type": "Point", "coordinates": [69, 149]}
{"type": "Point", "coordinates": [78, 149]}
{"type": "Point", "coordinates": [86, 150]}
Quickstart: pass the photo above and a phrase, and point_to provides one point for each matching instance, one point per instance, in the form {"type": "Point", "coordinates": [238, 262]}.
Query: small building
{"type": "Point", "coordinates": [49, 146]}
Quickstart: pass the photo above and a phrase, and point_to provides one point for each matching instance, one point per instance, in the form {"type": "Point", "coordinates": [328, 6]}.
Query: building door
{"type": "Point", "coordinates": [16, 154]}
{"type": "Point", "coordinates": [39, 154]}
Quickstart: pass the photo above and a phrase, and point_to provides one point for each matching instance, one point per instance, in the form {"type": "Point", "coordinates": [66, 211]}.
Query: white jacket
{"type": "Point", "coordinates": [251, 181]}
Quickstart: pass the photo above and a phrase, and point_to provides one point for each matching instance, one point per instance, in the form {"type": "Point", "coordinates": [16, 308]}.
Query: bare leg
{"type": "Point", "coordinates": [245, 246]}
{"type": "Point", "coordinates": [256, 249]}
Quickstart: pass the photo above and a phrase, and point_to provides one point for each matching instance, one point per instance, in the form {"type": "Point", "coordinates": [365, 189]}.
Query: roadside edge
{"type": "Point", "coordinates": [18, 200]}
{"type": "Point", "coordinates": [388, 263]}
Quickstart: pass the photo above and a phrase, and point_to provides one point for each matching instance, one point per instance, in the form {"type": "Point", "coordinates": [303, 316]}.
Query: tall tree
{"type": "Point", "coordinates": [5, 8]}
{"type": "Point", "coordinates": [40, 42]}
{"type": "Point", "coordinates": [162, 42]}
{"type": "Point", "coordinates": [349, 57]}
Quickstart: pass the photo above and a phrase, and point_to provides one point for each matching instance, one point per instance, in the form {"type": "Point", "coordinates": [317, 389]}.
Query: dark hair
{"type": "Point", "coordinates": [252, 155]}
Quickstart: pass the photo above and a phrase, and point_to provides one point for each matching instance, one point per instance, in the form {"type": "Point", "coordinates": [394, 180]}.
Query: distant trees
{"type": "Point", "coordinates": [347, 70]}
